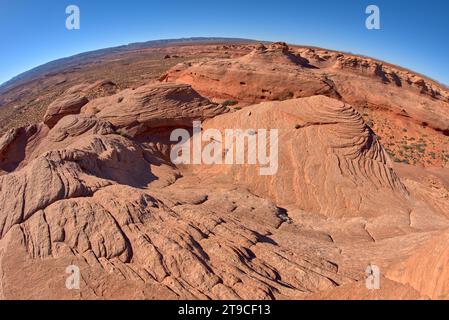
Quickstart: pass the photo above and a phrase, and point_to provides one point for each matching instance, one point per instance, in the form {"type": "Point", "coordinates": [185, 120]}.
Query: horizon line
{"type": "Point", "coordinates": [198, 39]}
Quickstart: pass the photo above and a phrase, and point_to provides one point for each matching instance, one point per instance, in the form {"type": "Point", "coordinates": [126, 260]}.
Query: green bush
{"type": "Point", "coordinates": [286, 95]}
{"type": "Point", "coordinates": [122, 133]}
{"type": "Point", "coordinates": [229, 103]}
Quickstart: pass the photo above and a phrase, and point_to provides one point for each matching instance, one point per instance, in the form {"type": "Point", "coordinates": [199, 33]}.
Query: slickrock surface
{"type": "Point", "coordinates": [74, 99]}
{"type": "Point", "coordinates": [408, 111]}
{"type": "Point", "coordinates": [272, 73]}
{"type": "Point", "coordinates": [153, 106]}
{"type": "Point", "coordinates": [430, 260]}
{"type": "Point", "coordinates": [324, 143]}
{"type": "Point", "coordinates": [93, 186]}
{"type": "Point", "coordinates": [279, 72]}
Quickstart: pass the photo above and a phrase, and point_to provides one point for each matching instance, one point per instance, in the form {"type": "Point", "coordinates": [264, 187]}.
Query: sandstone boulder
{"type": "Point", "coordinates": [153, 106]}
{"type": "Point", "coordinates": [329, 160]}
{"type": "Point", "coordinates": [272, 73]}
{"type": "Point", "coordinates": [75, 98]}
{"type": "Point", "coordinates": [95, 189]}
{"type": "Point", "coordinates": [65, 105]}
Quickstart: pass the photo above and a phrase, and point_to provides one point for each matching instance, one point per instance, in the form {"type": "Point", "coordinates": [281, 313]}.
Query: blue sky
{"type": "Point", "coordinates": [414, 33]}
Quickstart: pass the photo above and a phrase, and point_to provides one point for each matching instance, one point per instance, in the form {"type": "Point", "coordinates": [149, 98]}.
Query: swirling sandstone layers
{"type": "Point", "coordinates": [280, 72]}
{"type": "Point", "coordinates": [329, 160]}
{"type": "Point", "coordinates": [85, 193]}
{"type": "Point", "coordinates": [264, 74]}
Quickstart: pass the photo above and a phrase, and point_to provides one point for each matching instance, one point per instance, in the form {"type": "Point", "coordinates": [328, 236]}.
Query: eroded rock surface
{"type": "Point", "coordinates": [93, 187]}
{"type": "Point", "coordinates": [323, 143]}
{"type": "Point", "coordinates": [272, 73]}
{"type": "Point", "coordinates": [74, 99]}
{"type": "Point", "coordinates": [408, 111]}
{"type": "Point", "coordinates": [152, 107]}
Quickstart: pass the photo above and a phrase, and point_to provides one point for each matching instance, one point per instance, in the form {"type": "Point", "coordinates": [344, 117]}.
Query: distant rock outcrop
{"type": "Point", "coordinates": [272, 73]}
{"type": "Point", "coordinates": [280, 72]}
{"type": "Point", "coordinates": [330, 162]}
{"type": "Point", "coordinates": [153, 106]}
{"type": "Point", "coordinates": [74, 99]}
{"type": "Point", "coordinates": [365, 81]}
{"type": "Point", "coordinates": [426, 270]}
{"type": "Point", "coordinates": [92, 188]}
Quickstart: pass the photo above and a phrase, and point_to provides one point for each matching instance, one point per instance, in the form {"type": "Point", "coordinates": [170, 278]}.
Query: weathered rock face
{"type": "Point", "coordinates": [152, 107]}
{"type": "Point", "coordinates": [90, 203]}
{"type": "Point", "coordinates": [67, 104]}
{"type": "Point", "coordinates": [16, 143]}
{"type": "Point", "coordinates": [184, 249]}
{"type": "Point", "coordinates": [75, 98]}
{"type": "Point", "coordinates": [330, 162]}
{"type": "Point", "coordinates": [389, 74]}
{"type": "Point", "coordinates": [279, 72]}
{"type": "Point", "coordinates": [93, 188]}
{"type": "Point", "coordinates": [426, 270]}
{"type": "Point", "coordinates": [385, 86]}
{"type": "Point", "coordinates": [272, 73]}
{"type": "Point", "coordinates": [398, 104]}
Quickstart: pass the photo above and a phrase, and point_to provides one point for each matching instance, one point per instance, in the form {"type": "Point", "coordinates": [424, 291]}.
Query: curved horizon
{"type": "Point", "coordinates": [411, 35]}
{"type": "Point", "coordinates": [198, 39]}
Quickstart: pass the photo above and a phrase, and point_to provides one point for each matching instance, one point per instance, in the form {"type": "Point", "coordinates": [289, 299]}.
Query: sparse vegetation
{"type": "Point", "coordinates": [122, 132]}
{"type": "Point", "coordinates": [286, 95]}
{"type": "Point", "coordinates": [229, 103]}
{"type": "Point", "coordinates": [420, 147]}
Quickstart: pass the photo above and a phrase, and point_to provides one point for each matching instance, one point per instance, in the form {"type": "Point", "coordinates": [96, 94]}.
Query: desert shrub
{"type": "Point", "coordinates": [420, 147]}
{"type": "Point", "coordinates": [229, 103]}
{"type": "Point", "coordinates": [122, 132]}
{"type": "Point", "coordinates": [286, 95]}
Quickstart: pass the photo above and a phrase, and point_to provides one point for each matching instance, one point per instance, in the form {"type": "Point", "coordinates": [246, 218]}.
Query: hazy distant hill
{"type": "Point", "coordinates": [82, 58]}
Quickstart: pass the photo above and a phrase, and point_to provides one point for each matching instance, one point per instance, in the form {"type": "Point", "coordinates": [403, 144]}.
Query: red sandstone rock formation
{"type": "Point", "coordinates": [272, 73]}
{"type": "Point", "coordinates": [93, 186]}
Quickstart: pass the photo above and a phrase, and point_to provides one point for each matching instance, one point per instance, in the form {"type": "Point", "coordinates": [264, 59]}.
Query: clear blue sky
{"type": "Point", "coordinates": [414, 33]}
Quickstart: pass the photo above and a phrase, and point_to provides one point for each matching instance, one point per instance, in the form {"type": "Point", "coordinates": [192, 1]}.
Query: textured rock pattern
{"type": "Point", "coordinates": [93, 186]}
{"type": "Point", "coordinates": [329, 160]}
{"type": "Point", "coordinates": [279, 72]}
{"type": "Point", "coordinates": [153, 106]}
{"type": "Point", "coordinates": [264, 74]}
{"type": "Point", "coordinates": [75, 98]}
